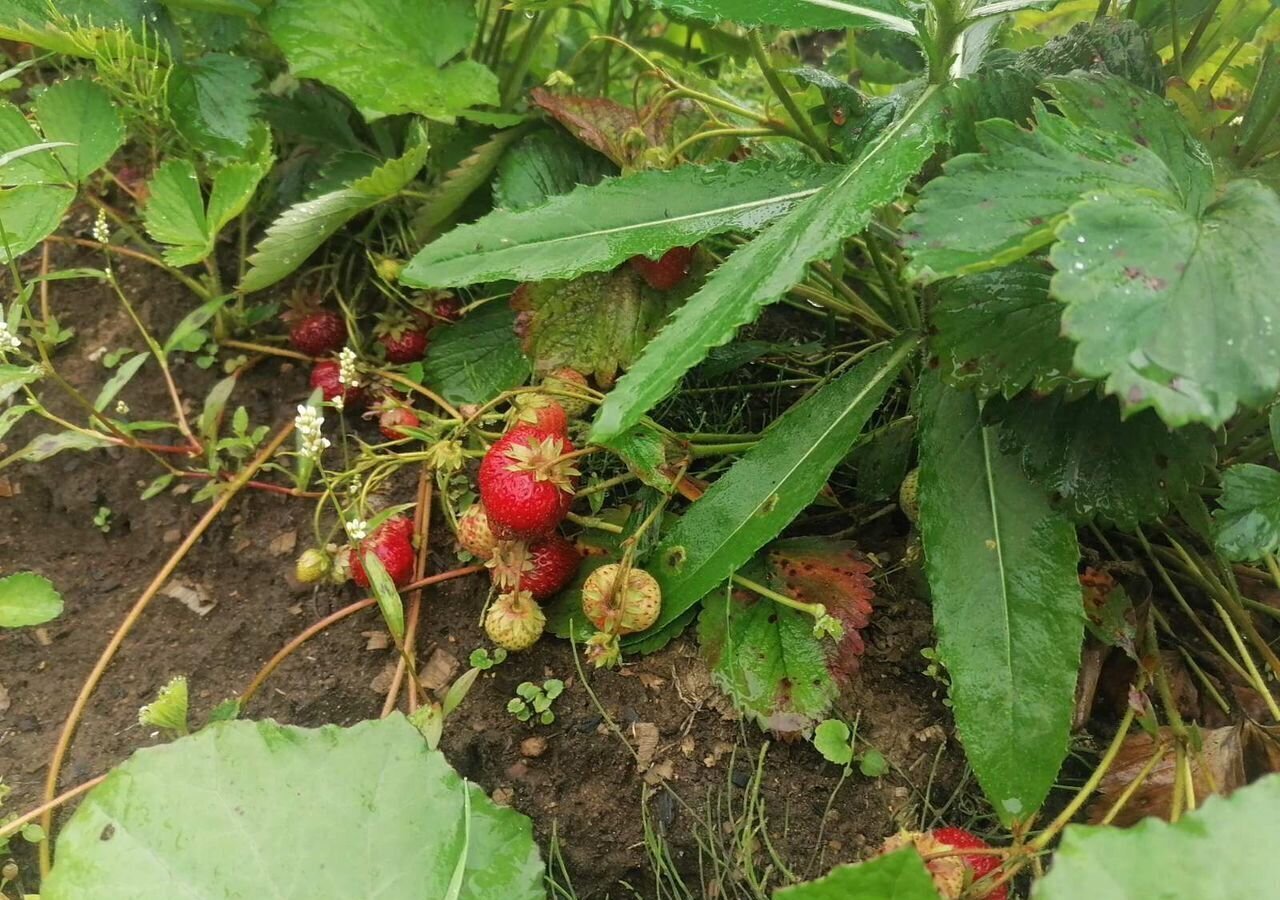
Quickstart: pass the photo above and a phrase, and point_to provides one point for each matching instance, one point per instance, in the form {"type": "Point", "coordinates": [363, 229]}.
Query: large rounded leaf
{"type": "Point", "coordinates": [257, 809]}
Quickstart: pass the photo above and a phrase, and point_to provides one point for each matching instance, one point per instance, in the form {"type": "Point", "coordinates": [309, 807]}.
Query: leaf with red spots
{"type": "Point", "coordinates": [764, 656]}
{"type": "Point", "coordinates": [613, 129]}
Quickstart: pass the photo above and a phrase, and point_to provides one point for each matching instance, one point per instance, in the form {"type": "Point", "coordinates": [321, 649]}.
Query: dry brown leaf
{"type": "Point", "coordinates": [382, 681]}
{"type": "Point", "coordinates": [4, 698]}
{"type": "Point", "coordinates": [376, 640]}
{"type": "Point", "coordinates": [660, 772]}
{"type": "Point", "coordinates": [190, 595]}
{"type": "Point", "coordinates": [439, 670]}
{"type": "Point", "coordinates": [646, 735]}
{"type": "Point", "coordinates": [283, 544]}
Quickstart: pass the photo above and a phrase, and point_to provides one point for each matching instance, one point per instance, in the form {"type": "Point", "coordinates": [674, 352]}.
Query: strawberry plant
{"type": "Point", "coordinates": [732, 324]}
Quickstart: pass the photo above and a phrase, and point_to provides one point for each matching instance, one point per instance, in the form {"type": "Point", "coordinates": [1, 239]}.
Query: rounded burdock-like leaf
{"type": "Point", "coordinates": [257, 809]}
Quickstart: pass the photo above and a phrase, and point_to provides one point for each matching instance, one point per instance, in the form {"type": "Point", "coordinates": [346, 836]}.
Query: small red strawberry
{"type": "Point", "coordinates": [318, 333]}
{"type": "Point", "coordinates": [951, 874]}
{"type": "Point", "coordinates": [542, 569]}
{"type": "Point", "coordinates": [394, 418]}
{"type": "Point", "coordinates": [446, 308]}
{"type": "Point", "coordinates": [474, 533]}
{"type": "Point", "coordinates": [541, 411]}
{"type": "Point", "coordinates": [525, 487]}
{"type": "Point", "coordinates": [325, 376]}
{"type": "Point", "coordinates": [392, 544]}
{"type": "Point", "coordinates": [666, 272]}
{"type": "Point", "coordinates": [404, 341]}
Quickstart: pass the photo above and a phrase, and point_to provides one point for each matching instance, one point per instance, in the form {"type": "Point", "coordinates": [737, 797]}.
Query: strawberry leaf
{"type": "Point", "coordinates": [545, 165]}
{"type": "Point", "coordinates": [596, 324]}
{"type": "Point", "coordinates": [897, 876]}
{"type": "Point", "coordinates": [477, 358]}
{"type": "Point", "coordinates": [621, 133]}
{"type": "Point", "coordinates": [80, 113]}
{"type": "Point", "coordinates": [213, 101]}
{"type": "Point", "coordinates": [1097, 464]}
{"type": "Point", "coordinates": [1007, 607]}
{"type": "Point", "coordinates": [838, 14]}
{"type": "Point", "coordinates": [1220, 850]}
{"type": "Point", "coordinates": [1247, 527]}
{"type": "Point", "coordinates": [388, 56]}
{"type": "Point", "coordinates": [28, 599]}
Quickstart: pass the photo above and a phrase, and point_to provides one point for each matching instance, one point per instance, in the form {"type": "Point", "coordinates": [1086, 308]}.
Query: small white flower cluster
{"type": "Point", "coordinates": [309, 423]}
{"type": "Point", "coordinates": [8, 340]}
{"type": "Point", "coordinates": [357, 530]}
{"type": "Point", "coordinates": [101, 233]}
{"type": "Point", "coordinates": [347, 374]}
{"type": "Point", "coordinates": [122, 408]}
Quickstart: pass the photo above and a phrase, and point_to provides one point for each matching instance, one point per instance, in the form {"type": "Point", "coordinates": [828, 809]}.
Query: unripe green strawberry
{"type": "Point", "coordinates": [312, 566]}
{"type": "Point", "coordinates": [909, 496]}
{"type": "Point", "coordinates": [621, 605]}
{"type": "Point", "coordinates": [514, 622]}
{"type": "Point", "coordinates": [474, 533]}
{"type": "Point", "coordinates": [569, 381]}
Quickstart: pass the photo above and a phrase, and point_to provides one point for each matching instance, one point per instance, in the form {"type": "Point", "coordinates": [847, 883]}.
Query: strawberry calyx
{"type": "Point", "coordinates": [543, 458]}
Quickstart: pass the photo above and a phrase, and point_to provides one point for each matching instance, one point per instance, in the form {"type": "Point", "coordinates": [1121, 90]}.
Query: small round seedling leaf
{"type": "Point", "coordinates": [873, 764]}
{"type": "Point", "coordinates": [831, 739]}
{"type": "Point", "coordinates": [257, 809]}
{"type": "Point", "coordinates": [27, 599]}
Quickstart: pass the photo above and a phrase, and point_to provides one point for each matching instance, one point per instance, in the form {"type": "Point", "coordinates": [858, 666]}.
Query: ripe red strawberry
{"type": "Point", "coordinates": [394, 418]}
{"type": "Point", "coordinates": [324, 375]}
{"type": "Point", "coordinates": [318, 333]}
{"type": "Point", "coordinates": [666, 272]}
{"type": "Point", "coordinates": [540, 411]}
{"type": "Point", "coordinates": [404, 343]}
{"type": "Point", "coordinates": [951, 874]}
{"type": "Point", "coordinates": [392, 544]}
{"type": "Point", "coordinates": [542, 568]}
{"type": "Point", "coordinates": [525, 487]}
{"type": "Point", "coordinates": [447, 308]}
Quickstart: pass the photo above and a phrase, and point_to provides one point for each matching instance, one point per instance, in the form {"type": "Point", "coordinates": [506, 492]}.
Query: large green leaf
{"type": "Point", "coordinates": [28, 599]}
{"type": "Point", "coordinates": [544, 165]}
{"type": "Point", "coordinates": [303, 227]}
{"type": "Point", "coordinates": [175, 213]}
{"type": "Point", "coordinates": [771, 484]}
{"type": "Point", "coordinates": [898, 876]}
{"type": "Point", "coordinates": [17, 134]}
{"type": "Point", "coordinates": [80, 113]}
{"type": "Point", "coordinates": [1098, 465]}
{"type": "Point", "coordinates": [474, 360]}
{"type": "Point", "coordinates": [594, 228]}
{"type": "Point", "coordinates": [994, 207]}
{"type": "Point", "coordinates": [1221, 851]}
{"type": "Point", "coordinates": [28, 214]}
{"type": "Point", "coordinates": [760, 272]}
{"type": "Point", "coordinates": [257, 809]}
{"type": "Point", "coordinates": [1007, 606]}
{"type": "Point", "coordinates": [596, 324]}
{"type": "Point", "coordinates": [1248, 524]}
{"type": "Point", "coordinates": [388, 56]}
{"type": "Point", "coordinates": [834, 14]}
{"type": "Point", "coordinates": [998, 332]}
{"type": "Point", "coordinates": [1137, 272]}
{"type": "Point", "coordinates": [213, 100]}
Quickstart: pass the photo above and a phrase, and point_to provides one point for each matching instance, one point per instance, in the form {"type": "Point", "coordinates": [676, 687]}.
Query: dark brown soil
{"type": "Point", "coordinates": [585, 785]}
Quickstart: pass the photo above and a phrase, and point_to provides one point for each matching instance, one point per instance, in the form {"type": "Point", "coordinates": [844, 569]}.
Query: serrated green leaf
{"type": "Point", "coordinates": [1098, 465]}
{"type": "Point", "coordinates": [222, 7]}
{"type": "Point", "coordinates": [898, 876]}
{"type": "Point", "coordinates": [16, 135]}
{"type": "Point", "coordinates": [645, 453]}
{"type": "Point", "coordinates": [837, 14]}
{"type": "Point", "coordinates": [169, 709]}
{"type": "Point", "coordinates": [28, 599]}
{"type": "Point", "coordinates": [175, 213]}
{"type": "Point", "coordinates": [1006, 603]}
{"type": "Point", "coordinates": [80, 112]}
{"type": "Point", "coordinates": [301, 228]}
{"type": "Point", "coordinates": [233, 811]}
{"type": "Point", "coordinates": [596, 324]}
{"type": "Point", "coordinates": [545, 165]}
{"type": "Point", "coordinates": [594, 228]}
{"type": "Point", "coordinates": [44, 22]}
{"type": "Point", "coordinates": [1134, 272]}
{"type": "Point", "coordinates": [461, 182]}
{"type": "Point", "coordinates": [1220, 851]}
{"type": "Point", "coordinates": [992, 208]}
{"type": "Point", "coordinates": [1248, 524]}
{"type": "Point", "coordinates": [213, 101]}
{"type": "Point", "coordinates": [999, 332]}
{"type": "Point", "coordinates": [474, 360]}
{"type": "Point", "coordinates": [1118, 47]}
{"type": "Point", "coordinates": [760, 272]}
{"type": "Point", "coordinates": [388, 56]}
{"type": "Point", "coordinates": [770, 485]}
{"type": "Point", "coordinates": [123, 375]}
{"type": "Point", "coordinates": [28, 214]}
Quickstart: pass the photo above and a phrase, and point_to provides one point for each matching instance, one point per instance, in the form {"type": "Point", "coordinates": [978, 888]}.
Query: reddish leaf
{"type": "Point", "coordinates": [609, 127]}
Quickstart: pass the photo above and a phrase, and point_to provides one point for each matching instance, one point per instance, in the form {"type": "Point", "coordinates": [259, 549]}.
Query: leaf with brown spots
{"type": "Point", "coordinates": [613, 129]}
